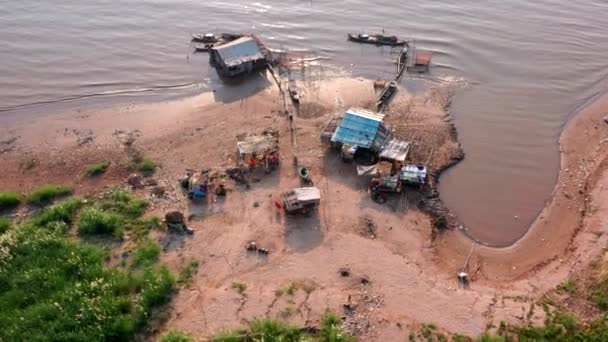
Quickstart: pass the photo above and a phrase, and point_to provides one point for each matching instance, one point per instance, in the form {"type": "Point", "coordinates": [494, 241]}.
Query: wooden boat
{"type": "Point", "coordinates": [377, 39]}
{"type": "Point", "coordinates": [204, 38]}
{"type": "Point", "coordinates": [293, 91]}
{"type": "Point", "coordinates": [202, 47]}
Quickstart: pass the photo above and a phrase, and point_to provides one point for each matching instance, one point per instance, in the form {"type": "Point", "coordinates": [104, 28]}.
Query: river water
{"type": "Point", "coordinates": [530, 65]}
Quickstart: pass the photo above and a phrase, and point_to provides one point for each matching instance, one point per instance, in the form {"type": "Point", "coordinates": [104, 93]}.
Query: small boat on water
{"type": "Point", "coordinates": [377, 39]}
{"type": "Point", "coordinates": [293, 91]}
{"type": "Point", "coordinates": [204, 38]}
{"type": "Point", "coordinates": [202, 47]}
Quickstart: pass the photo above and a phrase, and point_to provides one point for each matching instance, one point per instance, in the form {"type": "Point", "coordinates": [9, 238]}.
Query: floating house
{"type": "Point", "coordinates": [239, 57]}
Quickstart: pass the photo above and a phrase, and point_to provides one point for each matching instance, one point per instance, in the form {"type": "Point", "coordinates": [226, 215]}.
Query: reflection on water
{"type": "Point", "coordinates": [532, 63]}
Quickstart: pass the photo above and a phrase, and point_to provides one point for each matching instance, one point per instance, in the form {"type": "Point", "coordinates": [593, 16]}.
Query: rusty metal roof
{"type": "Point", "coordinates": [239, 51]}
{"type": "Point", "coordinates": [423, 57]}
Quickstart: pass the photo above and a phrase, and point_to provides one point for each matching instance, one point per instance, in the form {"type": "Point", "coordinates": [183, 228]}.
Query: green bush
{"type": "Point", "coordinates": [5, 225]}
{"type": "Point", "coordinates": [147, 167]}
{"type": "Point", "coordinates": [53, 288]}
{"type": "Point", "coordinates": [272, 330]}
{"type": "Point", "coordinates": [47, 193]}
{"type": "Point", "coordinates": [96, 221]}
{"type": "Point", "coordinates": [176, 336]}
{"type": "Point", "coordinates": [121, 202]}
{"type": "Point", "coordinates": [98, 169]}
{"type": "Point", "coordinates": [569, 286]}
{"type": "Point", "coordinates": [9, 199]}
{"type": "Point", "coordinates": [146, 254]}
{"type": "Point", "coordinates": [62, 212]}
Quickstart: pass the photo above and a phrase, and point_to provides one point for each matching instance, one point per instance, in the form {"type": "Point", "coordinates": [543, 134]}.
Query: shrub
{"type": "Point", "coordinates": [9, 199]}
{"type": "Point", "coordinates": [47, 193]}
{"type": "Point", "coordinates": [98, 169]}
{"type": "Point", "coordinates": [331, 330]}
{"type": "Point", "coordinates": [147, 253]}
{"type": "Point", "coordinates": [121, 202]}
{"type": "Point", "coordinates": [5, 225]}
{"type": "Point", "coordinates": [569, 286]}
{"type": "Point", "coordinates": [62, 212]}
{"type": "Point", "coordinates": [147, 167]}
{"type": "Point", "coordinates": [95, 221]}
{"type": "Point", "coordinates": [54, 288]}
{"type": "Point", "coordinates": [176, 336]}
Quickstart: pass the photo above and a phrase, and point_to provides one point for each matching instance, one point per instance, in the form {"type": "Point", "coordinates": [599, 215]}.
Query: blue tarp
{"type": "Point", "coordinates": [361, 128]}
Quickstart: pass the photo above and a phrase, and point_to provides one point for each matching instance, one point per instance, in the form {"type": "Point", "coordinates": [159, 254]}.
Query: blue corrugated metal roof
{"type": "Point", "coordinates": [361, 128]}
{"type": "Point", "coordinates": [238, 51]}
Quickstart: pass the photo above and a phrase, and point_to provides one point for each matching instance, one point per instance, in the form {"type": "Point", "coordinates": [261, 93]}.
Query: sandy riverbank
{"type": "Point", "coordinates": [410, 277]}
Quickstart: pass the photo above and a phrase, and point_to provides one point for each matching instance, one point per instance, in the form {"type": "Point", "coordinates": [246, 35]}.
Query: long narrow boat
{"type": "Point", "coordinates": [377, 39]}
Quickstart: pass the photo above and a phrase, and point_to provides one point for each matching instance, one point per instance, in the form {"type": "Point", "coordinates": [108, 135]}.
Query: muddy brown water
{"type": "Point", "coordinates": [529, 65]}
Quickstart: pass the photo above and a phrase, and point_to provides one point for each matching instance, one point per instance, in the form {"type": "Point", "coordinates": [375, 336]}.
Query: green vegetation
{"type": "Point", "coordinates": [5, 225]}
{"type": "Point", "coordinates": [56, 288]}
{"type": "Point", "coordinates": [47, 193]}
{"type": "Point", "coordinates": [96, 221]}
{"type": "Point", "coordinates": [239, 287]}
{"type": "Point", "coordinates": [120, 202]}
{"type": "Point", "coordinates": [569, 286]}
{"type": "Point", "coordinates": [98, 169]}
{"type": "Point", "coordinates": [9, 199]}
{"type": "Point", "coordinates": [147, 254]}
{"type": "Point", "coordinates": [272, 330]}
{"type": "Point", "coordinates": [176, 336]}
{"type": "Point", "coordinates": [147, 167]}
{"type": "Point", "coordinates": [599, 294]}
{"type": "Point", "coordinates": [187, 273]}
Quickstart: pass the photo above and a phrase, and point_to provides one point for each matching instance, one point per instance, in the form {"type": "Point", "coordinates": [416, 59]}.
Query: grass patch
{"type": "Point", "coordinates": [569, 286]}
{"type": "Point", "coordinates": [187, 273]}
{"type": "Point", "coordinates": [239, 287]}
{"type": "Point", "coordinates": [275, 330]}
{"type": "Point", "coordinates": [121, 202]}
{"type": "Point", "coordinates": [144, 165]}
{"type": "Point", "coordinates": [5, 225]}
{"type": "Point", "coordinates": [176, 336]}
{"type": "Point", "coordinates": [47, 193]}
{"type": "Point", "coordinates": [95, 221]}
{"type": "Point", "coordinates": [55, 288]}
{"type": "Point", "coordinates": [147, 167]}
{"type": "Point", "coordinates": [146, 254]}
{"type": "Point", "coordinates": [98, 169]}
{"type": "Point", "coordinates": [9, 199]}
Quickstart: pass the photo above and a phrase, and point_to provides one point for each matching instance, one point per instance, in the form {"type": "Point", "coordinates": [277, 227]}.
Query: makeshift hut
{"type": "Point", "coordinates": [259, 150]}
{"type": "Point", "coordinates": [363, 129]}
{"type": "Point", "coordinates": [238, 57]}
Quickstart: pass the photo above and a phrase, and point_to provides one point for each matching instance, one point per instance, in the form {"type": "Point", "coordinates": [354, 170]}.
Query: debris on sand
{"type": "Point", "coordinates": [358, 320]}
{"type": "Point", "coordinates": [135, 181]}
{"type": "Point", "coordinates": [368, 227]}
{"type": "Point", "coordinates": [128, 137]}
{"type": "Point", "coordinates": [253, 247]}
{"type": "Point", "coordinates": [344, 272]}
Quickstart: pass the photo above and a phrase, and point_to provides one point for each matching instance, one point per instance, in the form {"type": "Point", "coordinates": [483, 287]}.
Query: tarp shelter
{"type": "Point", "coordinates": [254, 144]}
{"type": "Point", "coordinates": [259, 149]}
{"type": "Point", "coordinates": [395, 150]}
{"type": "Point", "coordinates": [362, 128]}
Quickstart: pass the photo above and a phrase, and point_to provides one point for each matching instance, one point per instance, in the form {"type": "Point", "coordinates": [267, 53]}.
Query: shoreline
{"type": "Point", "coordinates": [565, 197]}
{"type": "Point", "coordinates": [199, 131]}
